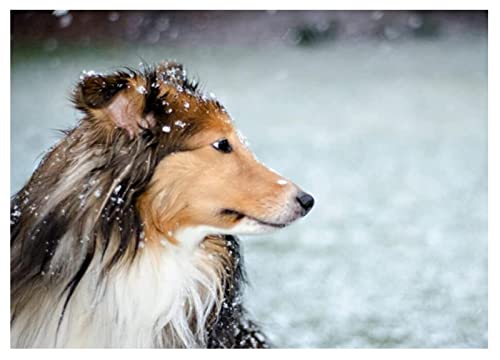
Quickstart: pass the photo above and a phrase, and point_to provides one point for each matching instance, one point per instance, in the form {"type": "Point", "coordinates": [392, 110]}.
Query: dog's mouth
{"type": "Point", "coordinates": [239, 216]}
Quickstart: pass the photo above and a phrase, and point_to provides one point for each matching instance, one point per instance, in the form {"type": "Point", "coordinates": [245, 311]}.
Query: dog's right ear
{"type": "Point", "coordinates": [115, 100]}
{"type": "Point", "coordinates": [95, 91]}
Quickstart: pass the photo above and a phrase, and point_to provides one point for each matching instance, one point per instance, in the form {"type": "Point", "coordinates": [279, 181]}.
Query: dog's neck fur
{"type": "Point", "coordinates": [163, 299]}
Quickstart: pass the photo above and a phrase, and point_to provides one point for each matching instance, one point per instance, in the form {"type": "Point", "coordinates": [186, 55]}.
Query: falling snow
{"type": "Point", "coordinates": [114, 16]}
{"type": "Point", "coordinates": [141, 90]}
{"type": "Point", "coordinates": [65, 21]}
{"type": "Point", "coordinates": [86, 74]}
{"type": "Point", "coordinates": [60, 13]}
{"type": "Point", "coordinates": [164, 242]}
{"type": "Point", "coordinates": [242, 138]}
{"type": "Point", "coordinates": [180, 123]}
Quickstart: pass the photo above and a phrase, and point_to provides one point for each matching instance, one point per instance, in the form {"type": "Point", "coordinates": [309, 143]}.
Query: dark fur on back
{"type": "Point", "coordinates": [86, 189]}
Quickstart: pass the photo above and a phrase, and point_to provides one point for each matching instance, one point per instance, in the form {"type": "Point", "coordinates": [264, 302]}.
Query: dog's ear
{"type": "Point", "coordinates": [115, 100]}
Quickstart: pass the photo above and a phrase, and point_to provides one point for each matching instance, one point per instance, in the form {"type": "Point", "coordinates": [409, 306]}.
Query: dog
{"type": "Point", "coordinates": [125, 234]}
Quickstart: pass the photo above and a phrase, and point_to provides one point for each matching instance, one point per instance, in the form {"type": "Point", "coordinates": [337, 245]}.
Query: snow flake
{"type": "Point", "coordinates": [85, 74]}
{"type": "Point", "coordinates": [113, 16]}
{"type": "Point", "coordinates": [164, 242]}
{"type": "Point", "coordinates": [141, 90]}
{"type": "Point", "coordinates": [282, 182]}
{"type": "Point", "coordinates": [60, 13]}
{"type": "Point", "coordinates": [242, 138]}
{"type": "Point", "coordinates": [66, 20]}
{"type": "Point", "coordinates": [166, 129]}
{"type": "Point", "coordinates": [180, 124]}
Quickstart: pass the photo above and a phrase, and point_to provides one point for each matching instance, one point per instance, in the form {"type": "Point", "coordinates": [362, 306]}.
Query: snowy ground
{"type": "Point", "coordinates": [392, 141]}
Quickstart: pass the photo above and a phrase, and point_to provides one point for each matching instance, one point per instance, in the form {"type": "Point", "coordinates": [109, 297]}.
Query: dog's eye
{"type": "Point", "coordinates": [223, 146]}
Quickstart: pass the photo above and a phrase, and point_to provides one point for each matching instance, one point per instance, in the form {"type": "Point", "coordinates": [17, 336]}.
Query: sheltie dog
{"type": "Point", "coordinates": [124, 236]}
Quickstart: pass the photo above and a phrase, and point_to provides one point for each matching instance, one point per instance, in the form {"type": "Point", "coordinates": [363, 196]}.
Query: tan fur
{"type": "Point", "coordinates": [191, 188]}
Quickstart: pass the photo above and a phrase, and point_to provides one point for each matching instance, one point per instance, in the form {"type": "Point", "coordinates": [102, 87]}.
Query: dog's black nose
{"type": "Point", "coordinates": [306, 201]}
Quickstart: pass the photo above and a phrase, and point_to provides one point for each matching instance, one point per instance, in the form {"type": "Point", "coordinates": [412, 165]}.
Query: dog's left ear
{"type": "Point", "coordinates": [115, 100]}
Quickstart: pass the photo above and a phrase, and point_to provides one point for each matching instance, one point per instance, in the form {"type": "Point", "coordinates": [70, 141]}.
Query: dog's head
{"type": "Point", "coordinates": [198, 173]}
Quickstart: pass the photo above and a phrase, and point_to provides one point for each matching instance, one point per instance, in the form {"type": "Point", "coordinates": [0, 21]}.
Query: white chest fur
{"type": "Point", "coordinates": [162, 299]}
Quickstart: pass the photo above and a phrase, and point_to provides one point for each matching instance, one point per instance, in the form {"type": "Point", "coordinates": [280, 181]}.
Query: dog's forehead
{"type": "Point", "coordinates": [193, 106]}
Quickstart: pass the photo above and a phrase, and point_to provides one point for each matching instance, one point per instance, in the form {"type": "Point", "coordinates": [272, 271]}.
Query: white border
{"type": "Point", "coordinates": [493, 176]}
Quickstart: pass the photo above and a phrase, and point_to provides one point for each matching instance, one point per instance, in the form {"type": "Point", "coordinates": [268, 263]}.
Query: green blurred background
{"type": "Point", "coordinates": [381, 115]}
